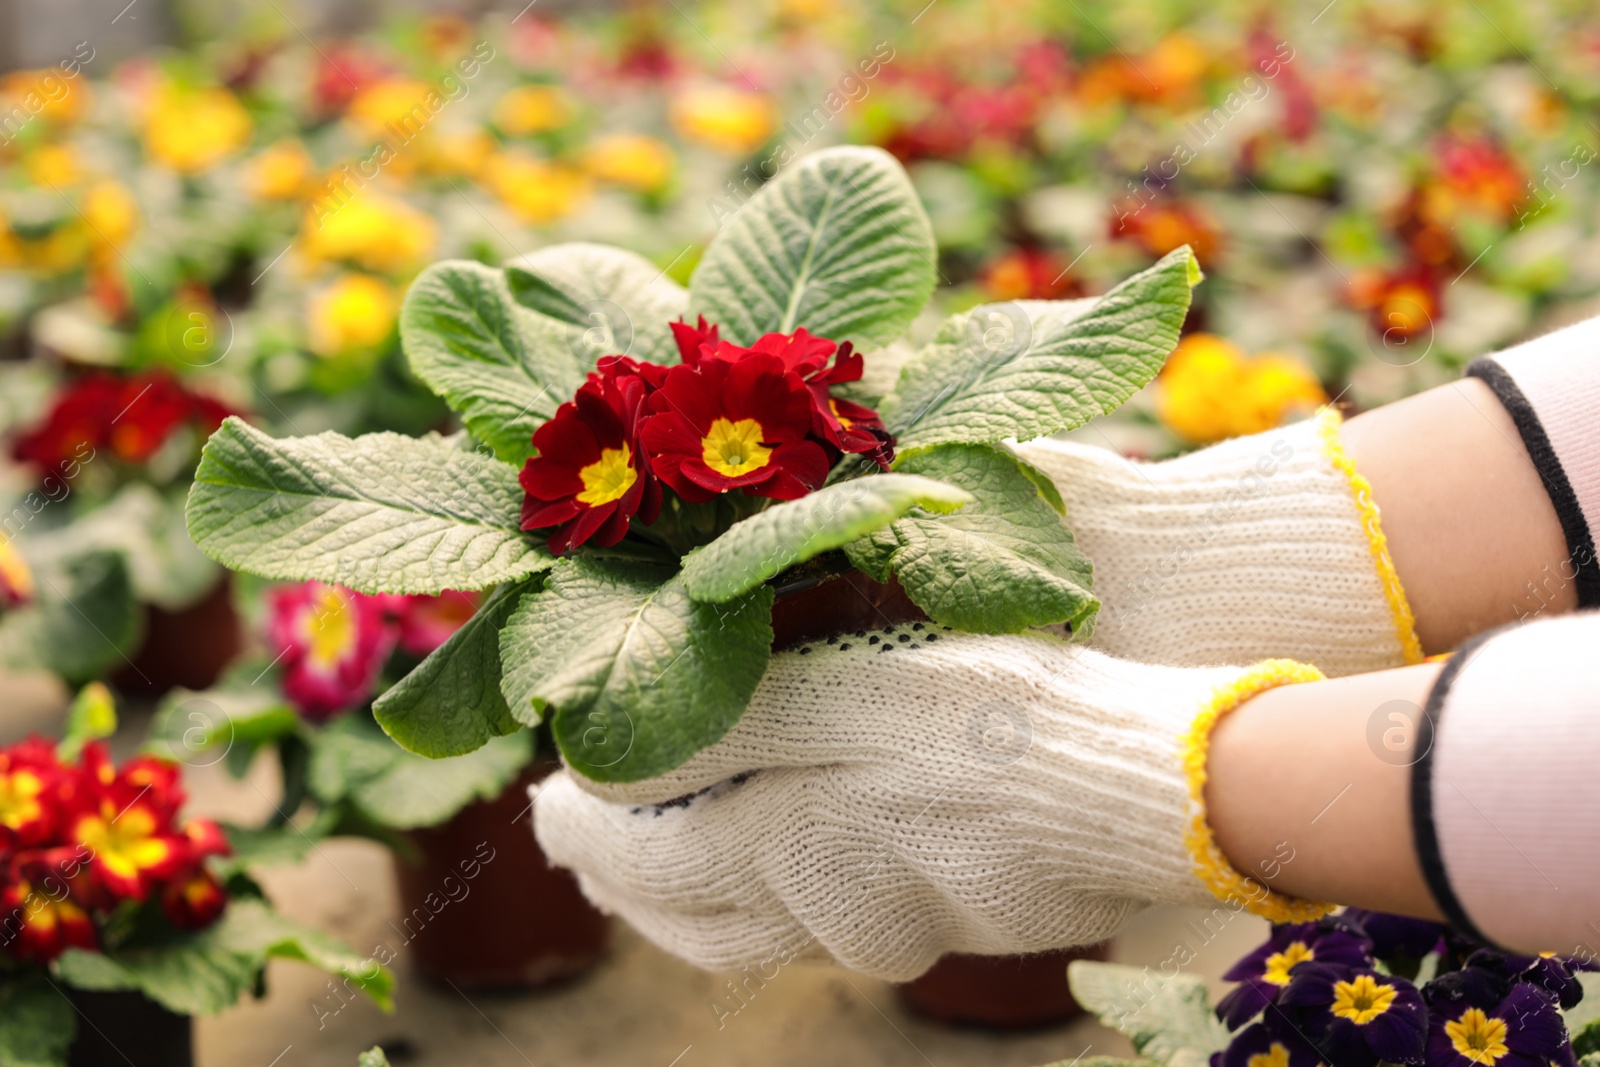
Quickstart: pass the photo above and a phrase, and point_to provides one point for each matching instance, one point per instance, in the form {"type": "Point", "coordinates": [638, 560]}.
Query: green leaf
{"type": "Point", "coordinates": [639, 675]}
{"type": "Point", "coordinates": [382, 513]}
{"type": "Point", "coordinates": [763, 545]}
{"type": "Point", "coordinates": [1586, 1042]}
{"type": "Point", "coordinates": [267, 846]}
{"type": "Point", "coordinates": [1002, 564]}
{"type": "Point", "coordinates": [37, 1022]}
{"type": "Point", "coordinates": [92, 716]}
{"type": "Point", "coordinates": [373, 1057]}
{"type": "Point", "coordinates": [1027, 369]}
{"type": "Point", "coordinates": [352, 761]}
{"type": "Point", "coordinates": [837, 243]}
{"type": "Point", "coordinates": [451, 703]}
{"type": "Point", "coordinates": [503, 368]}
{"type": "Point", "coordinates": [613, 302]}
{"type": "Point", "coordinates": [205, 972]}
{"type": "Point", "coordinates": [230, 721]}
{"type": "Point", "coordinates": [84, 622]}
{"type": "Point", "coordinates": [1169, 1020]}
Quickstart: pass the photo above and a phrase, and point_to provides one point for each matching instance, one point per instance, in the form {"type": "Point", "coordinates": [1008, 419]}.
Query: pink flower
{"type": "Point", "coordinates": [331, 644]}
{"type": "Point", "coordinates": [426, 622]}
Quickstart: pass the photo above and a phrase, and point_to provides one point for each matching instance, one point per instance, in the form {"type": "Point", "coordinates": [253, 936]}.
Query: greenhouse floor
{"type": "Point", "coordinates": [639, 1007]}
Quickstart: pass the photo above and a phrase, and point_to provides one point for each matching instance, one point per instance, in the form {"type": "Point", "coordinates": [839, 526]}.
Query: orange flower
{"type": "Point", "coordinates": [1210, 390]}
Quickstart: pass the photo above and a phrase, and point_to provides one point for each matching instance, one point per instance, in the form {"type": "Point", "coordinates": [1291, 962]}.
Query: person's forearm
{"type": "Point", "coordinates": [1470, 526]}
{"type": "Point", "coordinates": [1320, 772]}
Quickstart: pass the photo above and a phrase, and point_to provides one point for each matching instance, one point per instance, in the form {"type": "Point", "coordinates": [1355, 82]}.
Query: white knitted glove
{"type": "Point", "coordinates": [956, 793]}
{"type": "Point", "coordinates": [1267, 545]}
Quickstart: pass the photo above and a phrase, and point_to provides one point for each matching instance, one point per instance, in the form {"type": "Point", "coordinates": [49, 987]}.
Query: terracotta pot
{"type": "Point", "coordinates": [998, 992]}
{"type": "Point", "coordinates": [481, 907]}
{"type": "Point", "coordinates": [128, 1028]}
{"type": "Point", "coordinates": [1001, 992]}
{"type": "Point", "coordinates": [188, 648]}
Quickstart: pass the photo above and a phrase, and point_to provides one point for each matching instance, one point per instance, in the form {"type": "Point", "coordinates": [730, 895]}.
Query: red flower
{"type": "Point", "coordinates": [29, 794]}
{"type": "Point", "coordinates": [195, 902]}
{"type": "Point", "coordinates": [426, 622]}
{"type": "Point", "coordinates": [842, 424]}
{"type": "Point", "coordinates": [133, 416]}
{"type": "Point", "coordinates": [332, 643]}
{"type": "Point", "coordinates": [46, 921]}
{"type": "Point", "coordinates": [734, 424]}
{"type": "Point", "coordinates": [590, 477]}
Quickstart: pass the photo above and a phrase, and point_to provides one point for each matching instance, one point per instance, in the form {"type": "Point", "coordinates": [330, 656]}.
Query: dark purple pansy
{"type": "Point", "coordinates": [1356, 1017]}
{"type": "Point", "coordinates": [1395, 936]}
{"type": "Point", "coordinates": [1523, 1030]}
{"type": "Point", "coordinates": [1267, 1043]}
{"type": "Point", "coordinates": [1554, 974]}
{"type": "Point", "coordinates": [1266, 971]}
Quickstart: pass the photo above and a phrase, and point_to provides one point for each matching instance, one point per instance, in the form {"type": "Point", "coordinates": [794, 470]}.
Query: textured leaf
{"type": "Point", "coordinates": [640, 676]}
{"type": "Point", "coordinates": [837, 243]}
{"type": "Point", "coordinates": [1002, 564]}
{"type": "Point", "coordinates": [785, 534]}
{"type": "Point", "coordinates": [503, 368]}
{"type": "Point", "coordinates": [92, 716]}
{"type": "Point", "coordinates": [37, 1023]}
{"type": "Point", "coordinates": [451, 703]}
{"type": "Point", "coordinates": [253, 927]}
{"type": "Point", "coordinates": [1169, 1020]}
{"type": "Point", "coordinates": [612, 302]}
{"type": "Point", "coordinates": [84, 622]}
{"type": "Point", "coordinates": [1031, 368]}
{"type": "Point", "coordinates": [382, 513]}
{"type": "Point", "coordinates": [352, 761]}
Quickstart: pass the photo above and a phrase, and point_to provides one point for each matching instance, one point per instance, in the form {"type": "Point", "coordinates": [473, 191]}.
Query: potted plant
{"type": "Point", "coordinates": [1357, 989]}
{"type": "Point", "coordinates": [465, 862]}
{"type": "Point", "coordinates": [119, 921]}
{"type": "Point", "coordinates": [635, 516]}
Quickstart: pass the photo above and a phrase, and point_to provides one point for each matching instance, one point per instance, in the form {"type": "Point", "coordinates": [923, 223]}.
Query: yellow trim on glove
{"type": "Point", "coordinates": [1405, 623]}
{"type": "Point", "coordinates": [1210, 865]}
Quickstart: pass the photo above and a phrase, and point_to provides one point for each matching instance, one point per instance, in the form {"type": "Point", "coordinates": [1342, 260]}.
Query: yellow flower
{"type": "Point", "coordinates": [532, 109]}
{"type": "Point", "coordinates": [728, 119]}
{"type": "Point", "coordinates": [47, 93]}
{"type": "Point", "coordinates": [461, 153]}
{"type": "Point", "coordinates": [191, 130]}
{"type": "Point", "coordinates": [53, 165]}
{"type": "Point", "coordinates": [281, 171]}
{"type": "Point", "coordinates": [631, 159]}
{"type": "Point", "coordinates": [111, 212]}
{"type": "Point", "coordinates": [367, 229]}
{"type": "Point", "coordinates": [392, 109]}
{"type": "Point", "coordinates": [16, 580]}
{"type": "Point", "coordinates": [1209, 390]}
{"type": "Point", "coordinates": [535, 190]}
{"type": "Point", "coordinates": [355, 313]}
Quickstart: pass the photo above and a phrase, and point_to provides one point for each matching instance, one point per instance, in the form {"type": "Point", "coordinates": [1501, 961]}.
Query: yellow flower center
{"type": "Point", "coordinates": [735, 448]}
{"type": "Point", "coordinates": [16, 580]}
{"type": "Point", "coordinates": [1279, 964]}
{"type": "Point", "coordinates": [608, 478]}
{"type": "Point", "coordinates": [1478, 1037]}
{"type": "Point", "coordinates": [19, 799]}
{"type": "Point", "coordinates": [123, 844]}
{"type": "Point", "coordinates": [1362, 1000]}
{"type": "Point", "coordinates": [1276, 1056]}
{"type": "Point", "coordinates": [833, 406]}
{"type": "Point", "coordinates": [330, 627]}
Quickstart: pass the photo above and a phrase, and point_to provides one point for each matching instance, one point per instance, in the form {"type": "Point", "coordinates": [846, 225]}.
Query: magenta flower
{"type": "Point", "coordinates": [331, 643]}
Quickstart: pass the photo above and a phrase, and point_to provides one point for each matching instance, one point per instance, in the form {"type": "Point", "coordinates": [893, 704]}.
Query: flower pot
{"type": "Point", "coordinates": [128, 1028]}
{"type": "Point", "coordinates": [481, 907]}
{"type": "Point", "coordinates": [1000, 992]}
{"type": "Point", "coordinates": [189, 647]}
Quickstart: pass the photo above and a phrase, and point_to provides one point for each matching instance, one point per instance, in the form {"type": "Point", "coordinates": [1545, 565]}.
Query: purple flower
{"type": "Point", "coordinates": [1266, 971]}
{"type": "Point", "coordinates": [1522, 1030]}
{"type": "Point", "coordinates": [1356, 1016]}
{"type": "Point", "coordinates": [1395, 936]}
{"type": "Point", "coordinates": [1267, 1044]}
{"type": "Point", "coordinates": [1553, 974]}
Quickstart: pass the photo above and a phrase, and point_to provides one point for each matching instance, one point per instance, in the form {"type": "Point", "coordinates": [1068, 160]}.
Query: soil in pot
{"type": "Point", "coordinates": [481, 907]}
{"type": "Point", "coordinates": [127, 1027]}
{"type": "Point", "coordinates": [998, 992]}
{"type": "Point", "coordinates": [188, 648]}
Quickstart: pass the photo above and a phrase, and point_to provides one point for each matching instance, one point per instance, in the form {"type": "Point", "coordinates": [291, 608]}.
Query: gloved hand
{"type": "Point", "coordinates": [888, 801]}
{"type": "Point", "coordinates": [1261, 546]}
